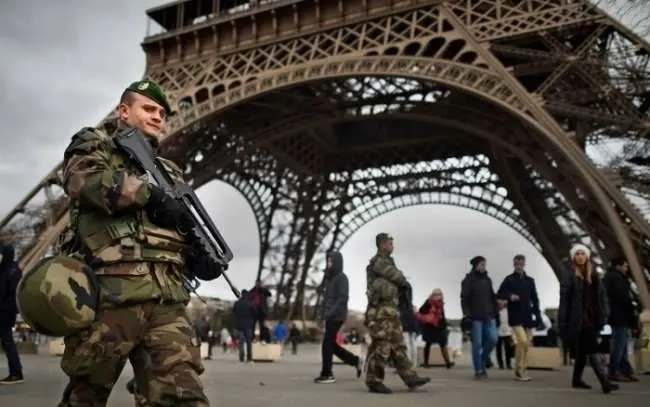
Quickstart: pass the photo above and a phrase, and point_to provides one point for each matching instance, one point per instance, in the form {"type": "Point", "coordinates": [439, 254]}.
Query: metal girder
{"type": "Point", "coordinates": [290, 114]}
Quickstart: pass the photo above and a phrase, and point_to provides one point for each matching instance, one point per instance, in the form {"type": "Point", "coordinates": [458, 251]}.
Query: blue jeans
{"type": "Point", "coordinates": [484, 338]}
{"type": "Point", "coordinates": [245, 338]}
{"type": "Point", "coordinates": [618, 360]}
{"type": "Point", "coordinates": [9, 347]}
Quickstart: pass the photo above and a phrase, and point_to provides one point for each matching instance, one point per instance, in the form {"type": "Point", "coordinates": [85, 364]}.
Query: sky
{"type": "Point", "coordinates": [65, 63]}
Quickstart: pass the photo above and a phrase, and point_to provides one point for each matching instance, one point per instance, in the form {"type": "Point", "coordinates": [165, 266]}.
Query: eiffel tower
{"type": "Point", "coordinates": [327, 114]}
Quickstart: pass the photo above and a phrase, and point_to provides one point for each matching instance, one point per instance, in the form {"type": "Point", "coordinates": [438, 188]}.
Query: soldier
{"type": "Point", "coordinates": [127, 228]}
{"type": "Point", "coordinates": [384, 283]}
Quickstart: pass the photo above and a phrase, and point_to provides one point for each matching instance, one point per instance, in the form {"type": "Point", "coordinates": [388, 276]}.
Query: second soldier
{"type": "Point", "coordinates": [384, 284]}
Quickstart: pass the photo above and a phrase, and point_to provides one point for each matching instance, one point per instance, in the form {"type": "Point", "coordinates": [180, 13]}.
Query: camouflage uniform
{"type": "Point", "coordinates": [142, 298]}
{"type": "Point", "coordinates": [384, 282]}
{"type": "Point", "coordinates": [138, 386]}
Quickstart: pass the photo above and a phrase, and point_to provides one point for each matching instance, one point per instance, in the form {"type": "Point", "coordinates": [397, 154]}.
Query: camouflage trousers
{"type": "Point", "coordinates": [387, 343]}
{"type": "Point", "coordinates": [141, 364]}
{"type": "Point", "coordinates": [159, 340]}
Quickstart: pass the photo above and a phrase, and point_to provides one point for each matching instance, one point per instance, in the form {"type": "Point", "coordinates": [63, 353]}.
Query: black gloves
{"type": "Point", "coordinates": [203, 268]}
{"type": "Point", "coordinates": [167, 212]}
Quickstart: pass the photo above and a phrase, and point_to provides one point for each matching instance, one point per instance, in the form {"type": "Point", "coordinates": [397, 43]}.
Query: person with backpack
{"type": "Point", "coordinates": [9, 277]}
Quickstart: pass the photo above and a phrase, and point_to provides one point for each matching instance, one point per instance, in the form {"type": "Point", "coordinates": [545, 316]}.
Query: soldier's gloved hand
{"type": "Point", "coordinates": [203, 268]}
{"type": "Point", "coordinates": [167, 212]}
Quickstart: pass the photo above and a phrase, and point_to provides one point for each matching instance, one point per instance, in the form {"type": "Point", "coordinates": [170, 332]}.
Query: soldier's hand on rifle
{"type": "Point", "coordinates": [204, 268]}
{"type": "Point", "coordinates": [167, 212]}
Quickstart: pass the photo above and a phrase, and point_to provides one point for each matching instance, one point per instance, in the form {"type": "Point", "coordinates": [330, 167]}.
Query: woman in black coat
{"type": "Point", "coordinates": [433, 325]}
{"type": "Point", "coordinates": [582, 314]}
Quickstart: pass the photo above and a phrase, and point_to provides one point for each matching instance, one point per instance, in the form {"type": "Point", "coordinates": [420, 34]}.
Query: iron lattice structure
{"type": "Point", "coordinates": [326, 115]}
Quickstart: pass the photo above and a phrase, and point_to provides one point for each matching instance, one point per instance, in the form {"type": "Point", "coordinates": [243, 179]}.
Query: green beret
{"type": "Point", "coordinates": [153, 91]}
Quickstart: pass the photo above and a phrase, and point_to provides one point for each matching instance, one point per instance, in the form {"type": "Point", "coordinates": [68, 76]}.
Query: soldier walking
{"type": "Point", "coordinates": [127, 230]}
{"type": "Point", "coordinates": [384, 284]}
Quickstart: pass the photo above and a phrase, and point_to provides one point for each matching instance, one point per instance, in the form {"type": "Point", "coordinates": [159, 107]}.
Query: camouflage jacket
{"type": "Point", "coordinates": [138, 261]}
{"type": "Point", "coordinates": [384, 281]}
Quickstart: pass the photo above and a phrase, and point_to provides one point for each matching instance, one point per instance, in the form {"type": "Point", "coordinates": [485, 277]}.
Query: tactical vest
{"type": "Point", "coordinates": [130, 236]}
{"type": "Point", "coordinates": [380, 291]}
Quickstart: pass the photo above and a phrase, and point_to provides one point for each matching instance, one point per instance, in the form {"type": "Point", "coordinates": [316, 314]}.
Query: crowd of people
{"type": "Point", "coordinates": [127, 237]}
{"type": "Point", "coordinates": [506, 320]}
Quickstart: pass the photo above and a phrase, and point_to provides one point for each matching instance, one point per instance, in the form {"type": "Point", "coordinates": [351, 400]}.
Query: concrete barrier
{"type": "Point", "coordinates": [540, 358]}
{"type": "Point", "coordinates": [204, 350]}
{"type": "Point", "coordinates": [268, 352]}
{"type": "Point", "coordinates": [641, 361]}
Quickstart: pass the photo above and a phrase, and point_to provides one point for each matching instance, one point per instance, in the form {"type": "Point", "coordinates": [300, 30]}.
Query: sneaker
{"type": "Point", "coordinates": [324, 379]}
{"type": "Point", "coordinates": [12, 379]}
{"type": "Point", "coordinates": [522, 377]}
{"type": "Point", "coordinates": [359, 366]}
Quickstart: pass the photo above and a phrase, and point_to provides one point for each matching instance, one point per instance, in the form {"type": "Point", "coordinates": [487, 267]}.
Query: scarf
{"type": "Point", "coordinates": [435, 313]}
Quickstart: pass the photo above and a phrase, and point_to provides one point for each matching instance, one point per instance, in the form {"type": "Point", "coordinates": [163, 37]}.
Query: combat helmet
{"type": "Point", "coordinates": [58, 296]}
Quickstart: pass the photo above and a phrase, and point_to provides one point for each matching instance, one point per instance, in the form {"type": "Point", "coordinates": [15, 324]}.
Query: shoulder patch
{"type": "Point", "coordinates": [85, 141]}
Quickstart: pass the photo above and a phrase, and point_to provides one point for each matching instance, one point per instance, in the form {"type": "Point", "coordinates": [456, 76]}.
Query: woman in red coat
{"type": "Point", "coordinates": [434, 327]}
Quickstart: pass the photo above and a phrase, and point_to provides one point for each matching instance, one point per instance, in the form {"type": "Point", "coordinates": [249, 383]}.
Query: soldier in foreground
{"type": "Point", "coordinates": [384, 283]}
{"type": "Point", "coordinates": [127, 230]}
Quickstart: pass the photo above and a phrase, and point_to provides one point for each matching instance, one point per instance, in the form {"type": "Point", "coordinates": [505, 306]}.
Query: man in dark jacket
{"type": "Point", "coordinates": [622, 319]}
{"type": "Point", "coordinates": [9, 278]}
{"type": "Point", "coordinates": [479, 306]}
{"type": "Point", "coordinates": [518, 291]}
{"type": "Point", "coordinates": [334, 313]}
{"type": "Point", "coordinates": [243, 313]}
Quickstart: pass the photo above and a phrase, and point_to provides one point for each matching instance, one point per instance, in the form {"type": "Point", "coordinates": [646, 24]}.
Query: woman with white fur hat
{"type": "Point", "coordinates": [582, 314]}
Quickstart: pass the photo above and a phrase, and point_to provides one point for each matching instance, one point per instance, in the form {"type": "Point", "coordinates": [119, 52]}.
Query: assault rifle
{"type": "Point", "coordinates": [204, 236]}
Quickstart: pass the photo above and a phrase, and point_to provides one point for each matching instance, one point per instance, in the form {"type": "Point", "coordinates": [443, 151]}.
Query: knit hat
{"type": "Point", "coordinates": [579, 248]}
{"type": "Point", "coordinates": [476, 260]}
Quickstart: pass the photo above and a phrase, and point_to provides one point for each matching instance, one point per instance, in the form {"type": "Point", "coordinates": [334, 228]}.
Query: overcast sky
{"type": "Point", "coordinates": [65, 63]}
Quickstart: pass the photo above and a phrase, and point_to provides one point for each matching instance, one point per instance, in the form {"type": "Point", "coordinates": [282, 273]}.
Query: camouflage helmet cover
{"type": "Point", "coordinates": [58, 296]}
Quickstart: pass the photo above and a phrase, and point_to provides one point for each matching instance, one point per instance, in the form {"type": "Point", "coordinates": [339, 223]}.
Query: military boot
{"type": "Point", "coordinates": [379, 388]}
{"type": "Point", "coordinates": [416, 382]}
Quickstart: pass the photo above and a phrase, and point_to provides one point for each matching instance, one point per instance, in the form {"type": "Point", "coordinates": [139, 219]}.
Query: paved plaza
{"type": "Point", "coordinates": [288, 383]}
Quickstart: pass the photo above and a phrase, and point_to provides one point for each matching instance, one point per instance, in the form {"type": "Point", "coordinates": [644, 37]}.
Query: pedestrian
{"type": "Point", "coordinates": [519, 293]}
{"type": "Point", "coordinates": [243, 313]}
{"type": "Point", "coordinates": [479, 306]}
{"type": "Point", "coordinates": [9, 277]}
{"type": "Point", "coordinates": [334, 313]}
{"type": "Point", "coordinates": [382, 319]}
{"type": "Point", "coordinates": [582, 314]}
